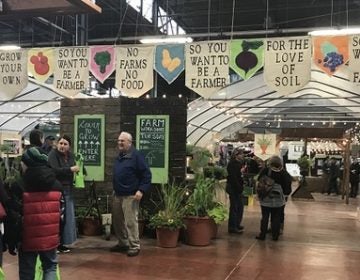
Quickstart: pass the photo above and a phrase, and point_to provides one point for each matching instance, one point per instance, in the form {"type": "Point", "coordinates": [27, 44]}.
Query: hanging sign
{"type": "Point", "coordinates": [41, 63]}
{"type": "Point", "coordinates": [287, 63]}
{"type": "Point", "coordinates": [134, 70]}
{"type": "Point", "coordinates": [264, 145]}
{"type": "Point", "coordinates": [152, 134]}
{"type": "Point", "coordinates": [71, 71]}
{"type": "Point", "coordinates": [102, 62]}
{"type": "Point", "coordinates": [330, 52]}
{"type": "Point", "coordinates": [246, 57]}
{"type": "Point", "coordinates": [13, 73]}
{"type": "Point", "coordinates": [90, 143]}
{"type": "Point", "coordinates": [207, 66]}
{"type": "Point", "coordinates": [354, 58]}
{"type": "Point", "coordinates": [169, 61]}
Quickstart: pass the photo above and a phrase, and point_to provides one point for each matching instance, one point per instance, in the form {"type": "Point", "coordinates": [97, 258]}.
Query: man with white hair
{"type": "Point", "coordinates": [131, 179]}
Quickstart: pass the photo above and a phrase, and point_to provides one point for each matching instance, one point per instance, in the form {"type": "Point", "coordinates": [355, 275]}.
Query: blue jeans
{"type": "Point", "coordinates": [236, 211]}
{"type": "Point", "coordinates": [27, 262]}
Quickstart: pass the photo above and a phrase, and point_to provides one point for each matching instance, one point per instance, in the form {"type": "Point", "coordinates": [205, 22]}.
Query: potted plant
{"type": "Point", "coordinates": [199, 226]}
{"type": "Point", "coordinates": [218, 214]}
{"type": "Point", "coordinates": [168, 220]}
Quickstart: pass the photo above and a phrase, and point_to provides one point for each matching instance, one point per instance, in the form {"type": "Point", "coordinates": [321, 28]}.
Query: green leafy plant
{"type": "Point", "coordinates": [201, 200]}
{"type": "Point", "coordinates": [215, 172]}
{"type": "Point", "coordinates": [219, 213]}
{"type": "Point", "coordinates": [170, 207]}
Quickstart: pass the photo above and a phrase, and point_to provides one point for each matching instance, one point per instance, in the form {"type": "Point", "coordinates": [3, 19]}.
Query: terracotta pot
{"type": "Point", "coordinates": [214, 229]}
{"type": "Point", "coordinates": [198, 230]}
{"type": "Point", "coordinates": [91, 226]}
{"type": "Point", "coordinates": [167, 238]}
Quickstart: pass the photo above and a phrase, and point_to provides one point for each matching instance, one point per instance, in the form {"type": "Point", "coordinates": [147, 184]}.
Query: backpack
{"type": "Point", "coordinates": [265, 185]}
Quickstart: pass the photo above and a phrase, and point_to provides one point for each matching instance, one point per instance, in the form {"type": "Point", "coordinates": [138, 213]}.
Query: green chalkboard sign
{"type": "Point", "coordinates": [89, 141]}
{"type": "Point", "coordinates": [153, 141]}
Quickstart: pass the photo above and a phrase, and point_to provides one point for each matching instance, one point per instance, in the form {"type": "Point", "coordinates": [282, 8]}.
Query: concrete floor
{"type": "Point", "coordinates": [320, 241]}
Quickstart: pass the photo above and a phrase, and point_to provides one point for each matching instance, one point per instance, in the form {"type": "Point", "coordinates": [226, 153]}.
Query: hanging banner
{"type": "Point", "coordinates": [102, 62]}
{"type": "Point", "coordinates": [354, 58]}
{"type": "Point", "coordinates": [71, 71]}
{"type": "Point", "coordinates": [207, 66]}
{"type": "Point", "coordinates": [134, 70]}
{"type": "Point", "coordinates": [41, 63]}
{"type": "Point", "coordinates": [246, 57]}
{"type": "Point", "coordinates": [169, 61]}
{"type": "Point", "coordinates": [13, 73]}
{"type": "Point", "coordinates": [287, 63]}
{"type": "Point", "coordinates": [264, 145]}
{"type": "Point", "coordinates": [330, 52]}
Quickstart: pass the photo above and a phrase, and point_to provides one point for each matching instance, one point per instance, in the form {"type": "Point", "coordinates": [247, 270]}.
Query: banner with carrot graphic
{"type": "Point", "coordinates": [264, 145]}
{"type": "Point", "coordinates": [246, 57]}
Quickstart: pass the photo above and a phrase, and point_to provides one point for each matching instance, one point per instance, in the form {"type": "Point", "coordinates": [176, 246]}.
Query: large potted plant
{"type": "Point", "coordinates": [199, 226]}
{"type": "Point", "coordinates": [168, 220]}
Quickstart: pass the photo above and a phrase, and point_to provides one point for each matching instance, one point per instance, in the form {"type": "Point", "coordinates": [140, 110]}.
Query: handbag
{"type": "Point", "coordinates": [2, 212]}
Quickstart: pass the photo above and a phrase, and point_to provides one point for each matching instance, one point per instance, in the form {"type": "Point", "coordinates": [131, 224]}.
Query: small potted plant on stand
{"type": "Point", "coordinates": [169, 219]}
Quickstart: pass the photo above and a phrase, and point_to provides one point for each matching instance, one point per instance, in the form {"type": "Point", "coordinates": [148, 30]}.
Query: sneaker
{"type": "Point", "coordinates": [133, 252]}
{"type": "Point", "coordinates": [63, 249]}
{"type": "Point", "coordinates": [119, 249]}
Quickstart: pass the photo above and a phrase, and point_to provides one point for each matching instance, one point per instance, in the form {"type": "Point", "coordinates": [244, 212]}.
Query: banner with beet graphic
{"type": "Point", "coordinates": [13, 73]}
{"type": "Point", "coordinates": [246, 57]}
{"type": "Point", "coordinates": [102, 62]}
{"type": "Point", "coordinates": [287, 63]}
{"type": "Point", "coordinates": [41, 63]}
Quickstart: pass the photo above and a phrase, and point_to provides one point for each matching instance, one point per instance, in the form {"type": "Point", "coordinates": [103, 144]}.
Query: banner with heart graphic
{"type": "Point", "coordinates": [41, 63]}
{"type": "Point", "coordinates": [102, 62]}
{"type": "Point", "coordinates": [169, 61]}
{"type": "Point", "coordinates": [207, 66]}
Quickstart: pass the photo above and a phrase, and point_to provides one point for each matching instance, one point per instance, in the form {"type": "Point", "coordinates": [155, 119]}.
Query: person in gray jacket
{"type": "Point", "coordinates": [273, 203]}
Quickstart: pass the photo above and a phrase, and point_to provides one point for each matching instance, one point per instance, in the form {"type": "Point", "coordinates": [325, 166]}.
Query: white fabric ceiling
{"type": "Point", "coordinates": [37, 103]}
{"type": "Point", "coordinates": [245, 104]}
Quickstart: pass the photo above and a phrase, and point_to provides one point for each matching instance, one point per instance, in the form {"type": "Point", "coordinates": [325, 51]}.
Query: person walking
{"type": "Point", "coordinates": [354, 177]}
{"type": "Point", "coordinates": [131, 179]}
{"type": "Point", "coordinates": [41, 212]}
{"type": "Point", "coordinates": [62, 161]}
{"type": "Point", "coordinates": [234, 188]}
{"type": "Point", "coordinates": [274, 202]}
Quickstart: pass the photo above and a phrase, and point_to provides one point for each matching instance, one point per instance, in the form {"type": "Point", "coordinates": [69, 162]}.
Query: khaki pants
{"type": "Point", "coordinates": [125, 210]}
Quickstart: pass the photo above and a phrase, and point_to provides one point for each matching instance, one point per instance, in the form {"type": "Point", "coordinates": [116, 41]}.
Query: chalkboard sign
{"type": "Point", "coordinates": [89, 141]}
{"type": "Point", "coordinates": [153, 141]}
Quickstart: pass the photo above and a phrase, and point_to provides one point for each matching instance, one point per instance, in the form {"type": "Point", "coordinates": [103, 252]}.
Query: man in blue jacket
{"type": "Point", "coordinates": [131, 179]}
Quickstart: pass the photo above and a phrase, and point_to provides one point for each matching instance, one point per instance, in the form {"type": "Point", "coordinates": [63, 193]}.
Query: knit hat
{"type": "Point", "coordinates": [33, 157]}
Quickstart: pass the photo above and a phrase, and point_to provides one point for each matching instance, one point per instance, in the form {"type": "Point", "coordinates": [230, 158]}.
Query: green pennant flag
{"type": "Point", "coordinates": [246, 57]}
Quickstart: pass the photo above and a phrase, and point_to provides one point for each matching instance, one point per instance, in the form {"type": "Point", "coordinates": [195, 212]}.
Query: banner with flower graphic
{"type": "Point", "coordinates": [41, 63]}
{"type": "Point", "coordinates": [102, 62]}
{"type": "Point", "coordinates": [264, 146]}
{"type": "Point", "coordinates": [169, 61]}
{"type": "Point", "coordinates": [330, 52]}
{"type": "Point", "coordinates": [13, 73]}
{"type": "Point", "coordinates": [246, 57]}
{"type": "Point", "coordinates": [71, 71]}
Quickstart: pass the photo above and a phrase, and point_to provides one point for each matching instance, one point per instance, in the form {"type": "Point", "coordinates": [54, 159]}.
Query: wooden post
{"type": "Point", "coordinates": [346, 174]}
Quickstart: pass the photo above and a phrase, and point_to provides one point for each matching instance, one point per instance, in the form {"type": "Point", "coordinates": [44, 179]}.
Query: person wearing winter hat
{"type": "Point", "coordinates": [41, 213]}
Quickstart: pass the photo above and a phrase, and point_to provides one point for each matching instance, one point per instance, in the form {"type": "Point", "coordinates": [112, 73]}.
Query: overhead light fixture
{"type": "Point", "coordinates": [9, 48]}
{"type": "Point", "coordinates": [335, 32]}
{"type": "Point", "coordinates": [159, 40]}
